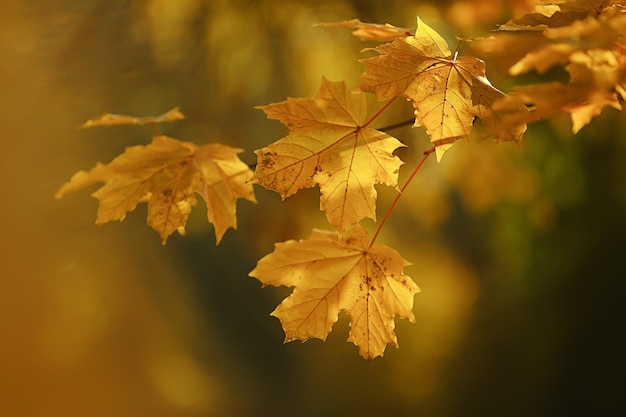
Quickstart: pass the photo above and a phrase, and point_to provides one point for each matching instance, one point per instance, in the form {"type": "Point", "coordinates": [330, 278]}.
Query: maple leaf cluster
{"type": "Point", "coordinates": [447, 91]}
{"type": "Point", "coordinates": [586, 38]}
{"type": "Point", "coordinates": [166, 174]}
{"type": "Point", "coordinates": [331, 144]}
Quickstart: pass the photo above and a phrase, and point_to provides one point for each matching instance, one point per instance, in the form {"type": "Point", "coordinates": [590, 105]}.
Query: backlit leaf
{"type": "Point", "coordinates": [110, 119]}
{"type": "Point", "coordinates": [555, 14]}
{"type": "Point", "coordinates": [447, 91]}
{"type": "Point", "coordinates": [329, 145]}
{"type": "Point", "coordinates": [330, 274]}
{"type": "Point", "coordinates": [167, 174]}
{"type": "Point", "coordinates": [370, 31]}
{"type": "Point", "coordinates": [590, 48]}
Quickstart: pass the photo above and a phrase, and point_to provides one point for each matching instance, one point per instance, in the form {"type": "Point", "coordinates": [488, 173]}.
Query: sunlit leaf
{"type": "Point", "coordinates": [330, 274]}
{"type": "Point", "coordinates": [330, 146]}
{"type": "Point", "coordinates": [110, 119]}
{"type": "Point", "coordinates": [555, 14]}
{"type": "Point", "coordinates": [370, 31]}
{"type": "Point", "coordinates": [167, 174]}
{"type": "Point", "coordinates": [447, 91]}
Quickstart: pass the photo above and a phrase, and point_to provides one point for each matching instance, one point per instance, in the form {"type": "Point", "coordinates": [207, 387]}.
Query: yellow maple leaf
{"type": "Point", "coordinates": [594, 83]}
{"type": "Point", "coordinates": [555, 14]}
{"type": "Point", "coordinates": [330, 145]}
{"type": "Point", "coordinates": [167, 174]}
{"type": "Point", "coordinates": [602, 33]}
{"type": "Point", "coordinates": [370, 31]}
{"type": "Point", "coordinates": [447, 91]}
{"type": "Point", "coordinates": [586, 38]}
{"type": "Point", "coordinates": [330, 274]}
{"type": "Point", "coordinates": [110, 119]}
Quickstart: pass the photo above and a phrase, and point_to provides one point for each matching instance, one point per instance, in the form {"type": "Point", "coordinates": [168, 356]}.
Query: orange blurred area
{"type": "Point", "coordinates": [91, 323]}
{"type": "Point", "coordinates": [517, 252]}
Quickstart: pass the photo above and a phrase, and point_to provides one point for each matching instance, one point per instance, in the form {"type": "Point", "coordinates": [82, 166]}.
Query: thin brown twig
{"type": "Point", "coordinates": [382, 109]}
{"type": "Point", "coordinates": [395, 201]}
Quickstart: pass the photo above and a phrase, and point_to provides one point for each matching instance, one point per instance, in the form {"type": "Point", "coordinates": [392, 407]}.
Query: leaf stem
{"type": "Point", "coordinates": [157, 132]}
{"type": "Point", "coordinates": [382, 109]}
{"type": "Point", "coordinates": [395, 201]}
{"type": "Point", "coordinates": [397, 125]}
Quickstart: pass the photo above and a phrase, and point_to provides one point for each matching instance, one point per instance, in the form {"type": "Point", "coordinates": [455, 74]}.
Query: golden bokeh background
{"type": "Point", "coordinates": [518, 253]}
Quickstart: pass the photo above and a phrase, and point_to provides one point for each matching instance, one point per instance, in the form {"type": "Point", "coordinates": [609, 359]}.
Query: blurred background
{"type": "Point", "coordinates": [519, 253]}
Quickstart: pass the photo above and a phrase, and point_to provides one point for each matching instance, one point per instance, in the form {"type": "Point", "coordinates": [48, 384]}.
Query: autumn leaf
{"type": "Point", "coordinates": [167, 174]}
{"type": "Point", "coordinates": [330, 145]}
{"type": "Point", "coordinates": [555, 14]}
{"type": "Point", "coordinates": [550, 33]}
{"type": "Point", "coordinates": [561, 43]}
{"type": "Point", "coordinates": [591, 49]}
{"type": "Point", "coordinates": [330, 274]}
{"type": "Point", "coordinates": [110, 119]}
{"type": "Point", "coordinates": [370, 31]}
{"type": "Point", "coordinates": [594, 83]}
{"type": "Point", "coordinates": [447, 91]}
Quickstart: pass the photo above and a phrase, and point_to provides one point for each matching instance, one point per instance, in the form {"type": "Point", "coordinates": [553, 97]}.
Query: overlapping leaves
{"type": "Point", "coordinates": [331, 145]}
{"type": "Point", "coordinates": [447, 91]}
{"type": "Point", "coordinates": [167, 174]}
{"type": "Point", "coordinates": [584, 37]}
{"type": "Point", "coordinates": [555, 14]}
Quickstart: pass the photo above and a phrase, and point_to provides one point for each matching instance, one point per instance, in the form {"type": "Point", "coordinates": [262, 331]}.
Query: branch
{"type": "Point", "coordinates": [395, 201]}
